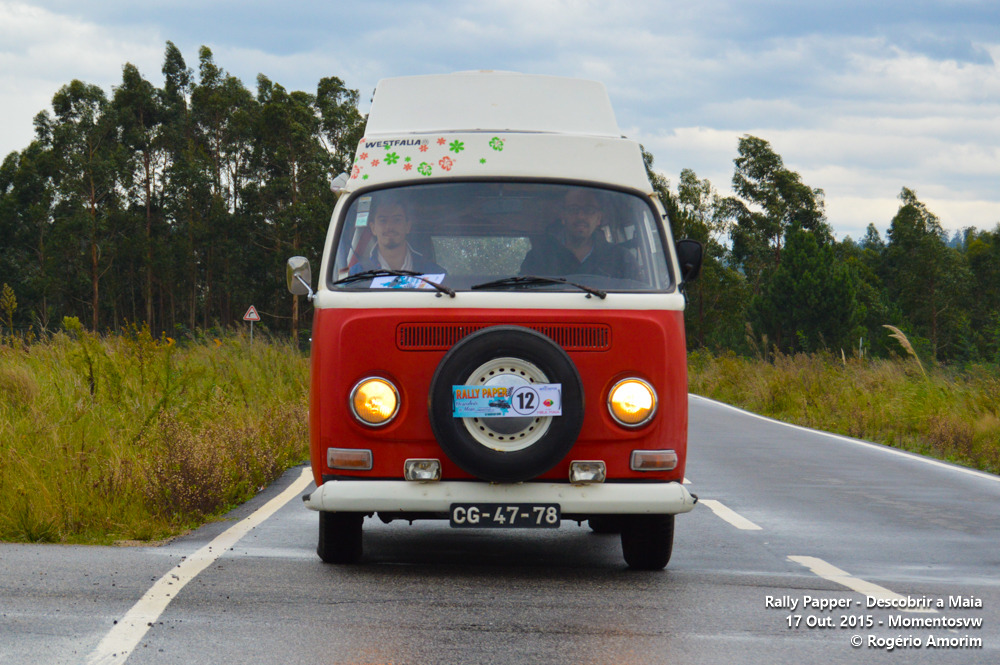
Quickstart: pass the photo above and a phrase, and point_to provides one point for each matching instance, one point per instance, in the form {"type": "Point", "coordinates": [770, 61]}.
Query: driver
{"type": "Point", "coordinates": [575, 248]}
{"type": "Point", "coordinates": [390, 223]}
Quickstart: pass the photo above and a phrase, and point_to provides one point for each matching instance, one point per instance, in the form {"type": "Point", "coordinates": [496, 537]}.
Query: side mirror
{"type": "Point", "coordinates": [298, 276]}
{"type": "Point", "coordinates": [689, 255]}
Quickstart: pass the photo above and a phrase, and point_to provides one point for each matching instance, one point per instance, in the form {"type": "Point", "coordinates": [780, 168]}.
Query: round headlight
{"type": "Point", "coordinates": [632, 402]}
{"type": "Point", "coordinates": [374, 401]}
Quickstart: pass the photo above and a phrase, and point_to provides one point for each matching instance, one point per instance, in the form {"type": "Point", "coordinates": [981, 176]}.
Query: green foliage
{"type": "Point", "coordinates": [810, 300]}
{"type": "Point", "coordinates": [133, 437]}
{"type": "Point", "coordinates": [175, 205]}
{"type": "Point", "coordinates": [770, 200]}
{"type": "Point", "coordinates": [950, 415]}
{"type": "Point", "coordinates": [8, 304]}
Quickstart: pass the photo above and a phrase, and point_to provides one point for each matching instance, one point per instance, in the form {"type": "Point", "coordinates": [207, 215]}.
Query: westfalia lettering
{"type": "Point", "coordinates": [388, 143]}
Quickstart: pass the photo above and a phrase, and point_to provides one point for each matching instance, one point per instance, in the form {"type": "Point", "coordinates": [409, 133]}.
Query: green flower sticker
{"type": "Point", "coordinates": [482, 160]}
{"type": "Point", "coordinates": [408, 160]}
{"type": "Point", "coordinates": [456, 146]}
{"type": "Point", "coordinates": [424, 168]}
{"type": "Point", "coordinates": [496, 143]}
{"type": "Point", "coordinates": [391, 158]}
{"type": "Point", "coordinates": [364, 177]}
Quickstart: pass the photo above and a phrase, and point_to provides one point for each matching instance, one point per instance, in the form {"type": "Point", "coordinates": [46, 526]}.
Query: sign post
{"type": "Point", "coordinates": [251, 316]}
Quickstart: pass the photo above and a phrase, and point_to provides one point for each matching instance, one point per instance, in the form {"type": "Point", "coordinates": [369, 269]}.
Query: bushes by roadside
{"type": "Point", "coordinates": [129, 437]}
{"type": "Point", "coordinates": [948, 414]}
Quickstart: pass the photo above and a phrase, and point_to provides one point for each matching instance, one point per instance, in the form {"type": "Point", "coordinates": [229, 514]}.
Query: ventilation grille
{"type": "Point", "coordinates": [443, 336]}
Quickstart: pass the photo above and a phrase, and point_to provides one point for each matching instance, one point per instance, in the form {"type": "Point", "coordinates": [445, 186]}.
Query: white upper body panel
{"type": "Point", "coordinates": [490, 101]}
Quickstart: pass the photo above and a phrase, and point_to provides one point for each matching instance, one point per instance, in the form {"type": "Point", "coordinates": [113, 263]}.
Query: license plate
{"type": "Point", "coordinates": [504, 515]}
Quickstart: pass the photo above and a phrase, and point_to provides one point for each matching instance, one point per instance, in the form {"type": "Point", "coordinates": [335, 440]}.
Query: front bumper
{"type": "Point", "coordinates": [388, 496]}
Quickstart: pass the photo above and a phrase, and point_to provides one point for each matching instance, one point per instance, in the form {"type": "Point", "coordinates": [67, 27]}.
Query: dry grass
{"type": "Point", "coordinates": [133, 438]}
{"type": "Point", "coordinates": [950, 415]}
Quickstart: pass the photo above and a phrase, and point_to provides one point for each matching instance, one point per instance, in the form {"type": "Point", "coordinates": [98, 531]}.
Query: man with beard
{"type": "Point", "coordinates": [390, 223]}
{"type": "Point", "coordinates": [575, 248]}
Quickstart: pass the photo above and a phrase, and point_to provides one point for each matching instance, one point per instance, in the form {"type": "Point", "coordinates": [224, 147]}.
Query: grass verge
{"type": "Point", "coordinates": [127, 437]}
{"type": "Point", "coordinates": [946, 414]}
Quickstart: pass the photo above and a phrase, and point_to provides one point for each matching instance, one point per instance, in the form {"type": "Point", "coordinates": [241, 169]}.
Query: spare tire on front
{"type": "Point", "coordinates": [506, 449]}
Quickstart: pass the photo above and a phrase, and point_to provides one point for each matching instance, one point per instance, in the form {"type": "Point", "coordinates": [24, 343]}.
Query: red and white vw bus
{"type": "Point", "coordinates": [498, 338]}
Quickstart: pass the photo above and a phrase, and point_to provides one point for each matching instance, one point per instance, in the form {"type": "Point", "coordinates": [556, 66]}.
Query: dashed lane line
{"type": "Point", "coordinates": [119, 643]}
{"type": "Point", "coordinates": [730, 515]}
{"type": "Point", "coordinates": [830, 572]}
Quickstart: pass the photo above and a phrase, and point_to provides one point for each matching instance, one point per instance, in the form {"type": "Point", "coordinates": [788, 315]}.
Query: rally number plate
{"type": "Point", "coordinates": [505, 515]}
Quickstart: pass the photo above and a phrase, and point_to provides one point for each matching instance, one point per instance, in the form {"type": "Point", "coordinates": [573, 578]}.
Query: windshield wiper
{"type": "Point", "coordinates": [382, 272]}
{"type": "Point", "coordinates": [521, 281]}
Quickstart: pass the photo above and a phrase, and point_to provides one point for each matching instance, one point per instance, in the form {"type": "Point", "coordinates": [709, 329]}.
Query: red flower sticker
{"type": "Point", "coordinates": [355, 172]}
{"type": "Point", "coordinates": [446, 163]}
{"type": "Point", "coordinates": [423, 148]}
{"type": "Point", "coordinates": [374, 162]}
{"type": "Point", "coordinates": [363, 156]}
{"type": "Point", "coordinates": [407, 167]}
{"type": "Point", "coordinates": [442, 141]}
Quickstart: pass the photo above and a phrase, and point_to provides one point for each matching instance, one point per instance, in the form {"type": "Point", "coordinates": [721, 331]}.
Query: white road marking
{"type": "Point", "coordinates": [118, 644]}
{"type": "Point", "coordinates": [730, 515]}
{"type": "Point", "coordinates": [830, 572]}
{"type": "Point", "coordinates": [875, 446]}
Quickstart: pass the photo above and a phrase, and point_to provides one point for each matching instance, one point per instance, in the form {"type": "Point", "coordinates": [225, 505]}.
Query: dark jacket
{"type": "Point", "coordinates": [550, 257]}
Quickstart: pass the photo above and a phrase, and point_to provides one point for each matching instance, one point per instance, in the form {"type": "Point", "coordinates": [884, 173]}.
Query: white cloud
{"type": "Point", "coordinates": [860, 98]}
{"type": "Point", "coordinates": [42, 51]}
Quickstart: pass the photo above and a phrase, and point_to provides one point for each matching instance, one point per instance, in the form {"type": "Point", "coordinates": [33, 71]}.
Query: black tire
{"type": "Point", "coordinates": [340, 537]}
{"type": "Point", "coordinates": [476, 458]}
{"type": "Point", "coordinates": [647, 541]}
{"type": "Point", "coordinates": [605, 523]}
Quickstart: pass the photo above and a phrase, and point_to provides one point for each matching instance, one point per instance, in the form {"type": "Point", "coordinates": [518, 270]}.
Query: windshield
{"type": "Point", "coordinates": [483, 234]}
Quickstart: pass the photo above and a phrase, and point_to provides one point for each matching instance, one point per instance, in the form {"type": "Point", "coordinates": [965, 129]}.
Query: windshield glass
{"type": "Point", "coordinates": [480, 234]}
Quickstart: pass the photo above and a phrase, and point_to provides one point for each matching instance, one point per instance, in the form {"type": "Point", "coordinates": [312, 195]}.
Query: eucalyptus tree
{"type": "Point", "coordinates": [770, 199]}
{"type": "Point", "coordinates": [983, 252]}
{"type": "Point", "coordinates": [139, 112]}
{"type": "Point", "coordinates": [224, 113]}
{"type": "Point", "coordinates": [86, 156]}
{"type": "Point", "coordinates": [716, 301]}
{"type": "Point", "coordinates": [294, 171]}
{"type": "Point", "coordinates": [341, 124]}
{"type": "Point", "coordinates": [928, 279]}
{"type": "Point", "coordinates": [27, 260]}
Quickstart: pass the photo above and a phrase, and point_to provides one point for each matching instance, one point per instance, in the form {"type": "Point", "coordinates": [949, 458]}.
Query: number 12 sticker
{"type": "Point", "coordinates": [540, 399]}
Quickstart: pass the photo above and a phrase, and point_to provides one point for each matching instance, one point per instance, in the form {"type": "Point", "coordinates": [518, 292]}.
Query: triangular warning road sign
{"type": "Point", "coordinates": [251, 314]}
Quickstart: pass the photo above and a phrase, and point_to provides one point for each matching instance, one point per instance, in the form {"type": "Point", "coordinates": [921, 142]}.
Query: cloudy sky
{"type": "Point", "coordinates": [861, 97]}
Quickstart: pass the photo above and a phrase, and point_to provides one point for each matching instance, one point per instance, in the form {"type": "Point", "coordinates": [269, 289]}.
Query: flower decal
{"type": "Point", "coordinates": [446, 163]}
{"type": "Point", "coordinates": [355, 171]}
{"type": "Point", "coordinates": [391, 158]}
{"type": "Point", "coordinates": [496, 143]}
{"type": "Point", "coordinates": [423, 148]}
{"type": "Point", "coordinates": [482, 160]}
{"type": "Point", "coordinates": [442, 141]}
{"type": "Point", "coordinates": [408, 159]}
{"type": "Point", "coordinates": [374, 162]}
{"type": "Point", "coordinates": [407, 166]}
{"type": "Point", "coordinates": [363, 156]}
{"type": "Point", "coordinates": [424, 168]}
{"type": "Point", "coordinates": [456, 146]}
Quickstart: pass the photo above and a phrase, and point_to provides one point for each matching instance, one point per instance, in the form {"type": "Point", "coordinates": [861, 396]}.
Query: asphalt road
{"type": "Point", "coordinates": [787, 516]}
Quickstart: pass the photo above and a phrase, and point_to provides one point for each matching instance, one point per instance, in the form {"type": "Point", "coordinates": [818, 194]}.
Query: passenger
{"type": "Point", "coordinates": [390, 224]}
{"type": "Point", "coordinates": [575, 248]}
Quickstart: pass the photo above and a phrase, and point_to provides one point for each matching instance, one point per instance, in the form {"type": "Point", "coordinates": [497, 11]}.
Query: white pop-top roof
{"type": "Point", "coordinates": [490, 101]}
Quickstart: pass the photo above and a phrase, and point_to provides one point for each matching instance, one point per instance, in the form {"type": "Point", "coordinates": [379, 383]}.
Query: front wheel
{"type": "Point", "coordinates": [340, 537]}
{"type": "Point", "coordinates": [647, 541]}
